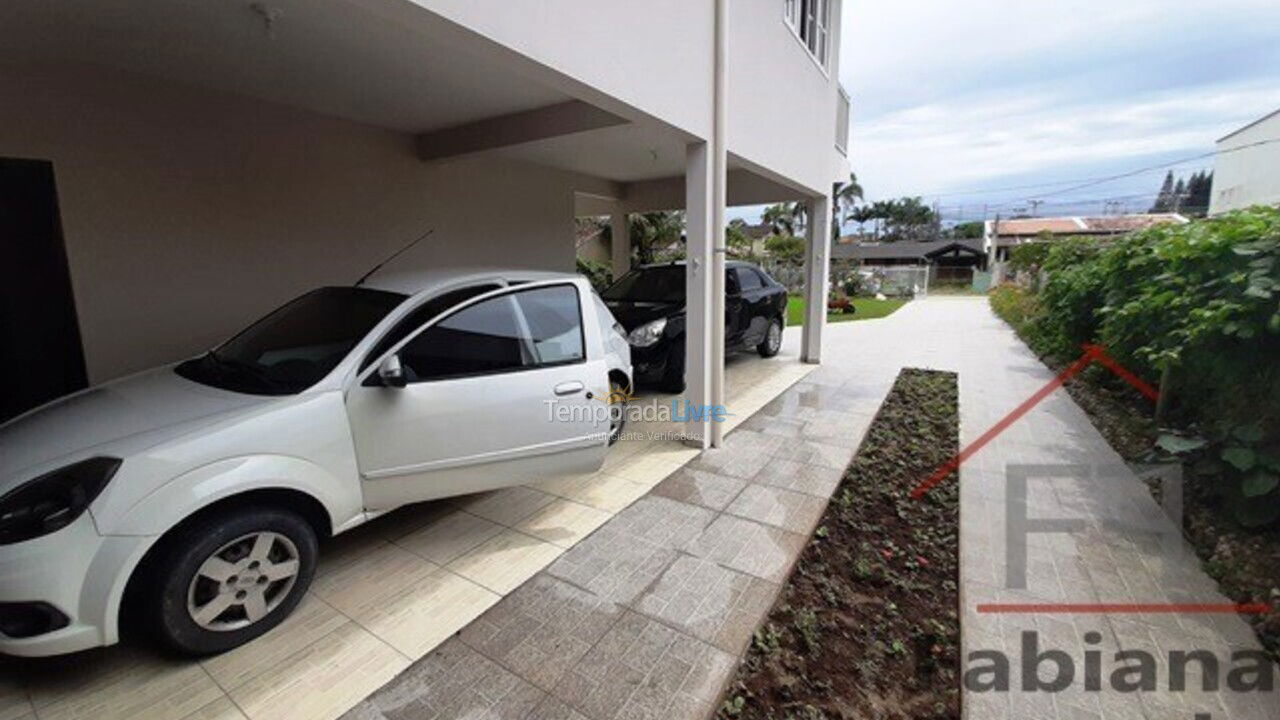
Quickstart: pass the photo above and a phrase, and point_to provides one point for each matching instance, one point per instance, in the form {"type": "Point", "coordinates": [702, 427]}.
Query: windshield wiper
{"type": "Point", "coordinates": [244, 368]}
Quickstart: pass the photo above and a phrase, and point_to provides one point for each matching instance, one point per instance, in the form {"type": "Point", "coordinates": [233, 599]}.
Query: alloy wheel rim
{"type": "Point", "coordinates": [243, 581]}
{"type": "Point", "coordinates": [775, 336]}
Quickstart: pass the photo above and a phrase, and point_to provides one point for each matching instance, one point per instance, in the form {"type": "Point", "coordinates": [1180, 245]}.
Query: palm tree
{"type": "Point", "coordinates": [654, 232]}
{"type": "Point", "coordinates": [781, 218]}
{"type": "Point", "coordinates": [846, 197]}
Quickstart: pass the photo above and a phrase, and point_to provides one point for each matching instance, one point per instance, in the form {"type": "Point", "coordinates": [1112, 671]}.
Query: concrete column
{"type": "Point", "coordinates": [719, 196]}
{"type": "Point", "coordinates": [817, 275]}
{"type": "Point", "coordinates": [699, 287]}
{"type": "Point", "coordinates": [620, 250]}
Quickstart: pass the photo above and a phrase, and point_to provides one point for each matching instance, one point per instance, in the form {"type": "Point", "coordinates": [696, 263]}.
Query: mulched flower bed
{"type": "Point", "coordinates": [868, 623]}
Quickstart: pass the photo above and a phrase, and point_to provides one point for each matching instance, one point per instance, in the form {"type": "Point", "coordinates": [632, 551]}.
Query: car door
{"type": "Point", "coordinates": [734, 315]}
{"type": "Point", "coordinates": [501, 391]}
{"type": "Point", "coordinates": [756, 308]}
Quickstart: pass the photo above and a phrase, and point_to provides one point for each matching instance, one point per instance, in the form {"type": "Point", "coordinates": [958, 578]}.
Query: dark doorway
{"type": "Point", "coordinates": [40, 353]}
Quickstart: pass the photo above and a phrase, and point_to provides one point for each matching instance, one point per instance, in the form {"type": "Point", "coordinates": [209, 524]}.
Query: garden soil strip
{"type": "Point", "coordinates": [868, 623]}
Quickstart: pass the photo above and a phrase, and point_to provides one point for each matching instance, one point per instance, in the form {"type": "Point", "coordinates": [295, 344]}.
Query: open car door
{"type": "Point", "coordinates": [507, 388]}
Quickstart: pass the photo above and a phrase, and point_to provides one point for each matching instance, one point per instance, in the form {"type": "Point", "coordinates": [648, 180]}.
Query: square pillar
{"type": "Point", "coordinates": [620, 248]}
{"type": "Point", "coordinates": [699, 288]}
{"type": "Point", "coordinates": [817, 276]}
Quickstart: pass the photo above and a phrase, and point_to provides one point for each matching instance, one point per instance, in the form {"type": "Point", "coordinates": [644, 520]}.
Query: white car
{"type": "Point", "coordinates": [192, 496]}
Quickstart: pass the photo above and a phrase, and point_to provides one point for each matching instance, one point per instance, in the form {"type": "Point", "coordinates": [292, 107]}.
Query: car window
{"type": "Point", "coordinates": [421, 316]}
{"type": "Point", "coordinates": [490, 337]}
{"type": "Point", "coordinates": [664, 284]}
{"type": "Point", "coordinates": [748, 279]}
{"type": "Point", "coordinates": [731, 286]}
{"type": "Point", "coordinates": [555, 323]}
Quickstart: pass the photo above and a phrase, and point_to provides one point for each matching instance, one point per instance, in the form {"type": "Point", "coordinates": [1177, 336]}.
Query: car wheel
{"type": "Point", "coordinates": [617, 410]}
{"type": "Point", "coordinates": [673, 378]}
{"type": "Point", "coordinates": [227, 579]}
{"type": "Point", "coordinates": [772, 342]}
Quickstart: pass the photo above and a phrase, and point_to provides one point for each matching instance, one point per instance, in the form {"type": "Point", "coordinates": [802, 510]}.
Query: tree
{"type": "Point", "coordinates": [787, 248]}
{"type": "Point", "coordinates": [1164, 201]}
{"type": "Point", "coordinates": [736, 238]}
{"type": "Point", "coordinates": [845, 198]}
{"type": "Point", "coordinates": [968, 230]}
{"type": "Point", "coordinates": [653, 232]}
{"type": "Point", "coordinates": [780, 219]}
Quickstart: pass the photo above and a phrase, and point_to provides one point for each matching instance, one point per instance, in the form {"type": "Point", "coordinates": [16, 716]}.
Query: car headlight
{"type": "Point", "coordinates": [648, 334]}
{"type": "Point", "coordinates": [53, 500]}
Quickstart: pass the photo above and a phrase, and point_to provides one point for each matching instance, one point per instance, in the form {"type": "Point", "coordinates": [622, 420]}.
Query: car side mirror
{"type": "Point", "coordinates": [391, 372]}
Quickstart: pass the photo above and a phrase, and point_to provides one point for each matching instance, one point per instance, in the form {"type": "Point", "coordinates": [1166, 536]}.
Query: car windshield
{"type": "Point", "coordinates": [658, 284]}
{"type": "Point", "coordinates": [294, 347]}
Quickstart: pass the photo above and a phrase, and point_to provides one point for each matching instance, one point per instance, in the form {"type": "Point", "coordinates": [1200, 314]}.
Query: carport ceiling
{"type": "Point", "coordinates": [333, 57]}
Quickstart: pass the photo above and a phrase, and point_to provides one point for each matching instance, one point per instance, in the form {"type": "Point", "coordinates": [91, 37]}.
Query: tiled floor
{"type": "Point", "coordinates": [388, 593]}
{"type": "Point", "coordinates": [646, 617]}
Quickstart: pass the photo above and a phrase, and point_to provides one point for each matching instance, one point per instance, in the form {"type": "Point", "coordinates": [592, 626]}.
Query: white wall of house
{"type": "Point", "coordinates": [188, 213]}
{"type": "Point", "coordinates": [657, 56]}
{"type": "Point", "coordinates": [782, 102]}
{"type": "Point", "coordinates": [1245, 176]}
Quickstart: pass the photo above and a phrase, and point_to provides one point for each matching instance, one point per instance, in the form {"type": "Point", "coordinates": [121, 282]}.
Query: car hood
{"type": "Point", "coordinates": [158, 404]}
{"type": "Point", "coordinates": [632, 315]}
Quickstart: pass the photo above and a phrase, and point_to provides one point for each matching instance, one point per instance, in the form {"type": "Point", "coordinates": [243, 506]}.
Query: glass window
{"type": "Point", "coordinates": [555, 323]}
{"type": "Point", "coordinates": [665, 284]}
{"type": "Point", "coordinates": [294, 347]}
{"type": "Point", "coordinates": [483, 338]}
{"type": "Point", "coordinates": [490, 337]}
{"type": "Point", "coordinates": [748, 279]}
{"type": "Point", "coordinates": [811, 22]}
{"type": "Point", "coordinates": [422, 316]}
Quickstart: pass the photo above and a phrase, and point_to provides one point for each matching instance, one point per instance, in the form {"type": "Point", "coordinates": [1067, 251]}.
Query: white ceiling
{"type": "Point", "coordinates": [328, 56]}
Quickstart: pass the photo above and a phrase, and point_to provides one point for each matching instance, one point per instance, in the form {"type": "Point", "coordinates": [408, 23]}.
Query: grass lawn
{"type": "Point", "coordinates": [868, 309]}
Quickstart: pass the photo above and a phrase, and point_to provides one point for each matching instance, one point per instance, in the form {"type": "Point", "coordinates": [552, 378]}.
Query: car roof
{"type": "Point", "coordinates": [416, 282]}
{"type": "Point", "coordinates": [682, 263]}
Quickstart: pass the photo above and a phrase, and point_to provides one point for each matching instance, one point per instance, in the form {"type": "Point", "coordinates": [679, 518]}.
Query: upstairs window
{"type": "Point", "coordinates": [810, 20]}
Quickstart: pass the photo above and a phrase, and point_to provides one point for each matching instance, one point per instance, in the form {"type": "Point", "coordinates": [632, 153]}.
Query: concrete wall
{"type": "Point", "coordinates": [1249, 176]}
{"type": "Point", "coordinates": [188, 213]}
{"type": "Point", "coordinates": [782, 104]}
{"type": "Point", "coordinates": [657, 56]}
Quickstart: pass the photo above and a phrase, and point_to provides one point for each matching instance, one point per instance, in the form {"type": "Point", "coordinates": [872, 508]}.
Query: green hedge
{"type": "Point", "coordinates": [1202, 299]}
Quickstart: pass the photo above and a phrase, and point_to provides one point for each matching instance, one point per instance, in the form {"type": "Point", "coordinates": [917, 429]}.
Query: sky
{"type": "Point", "coordinates": [951, 98]}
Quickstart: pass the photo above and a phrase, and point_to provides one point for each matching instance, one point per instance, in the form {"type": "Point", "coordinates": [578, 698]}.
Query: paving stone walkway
{"type": "Point", "coordinates": [647, 617]}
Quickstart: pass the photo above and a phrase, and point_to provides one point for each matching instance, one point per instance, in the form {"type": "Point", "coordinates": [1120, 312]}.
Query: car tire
{"type": "Point", "coordinates": [618, 394]}
{"type": "Point", "coordinates": [673, 376]}
{"type": "Point", "coordinates": [258, 562]}
{"type": "Point", "coordinates": [772, 341]}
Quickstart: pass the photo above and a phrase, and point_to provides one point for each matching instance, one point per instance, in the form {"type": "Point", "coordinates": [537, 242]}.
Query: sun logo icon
{"type": "Point", "coordinates": [619, 396]}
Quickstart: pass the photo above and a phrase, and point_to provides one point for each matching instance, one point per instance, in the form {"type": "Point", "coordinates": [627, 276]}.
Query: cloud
{"type": "Point", "coordinates": [985, 93]}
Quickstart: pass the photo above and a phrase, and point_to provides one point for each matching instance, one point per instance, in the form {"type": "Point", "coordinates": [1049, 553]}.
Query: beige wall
{"type": "Point", "coordinates": [188, 213]}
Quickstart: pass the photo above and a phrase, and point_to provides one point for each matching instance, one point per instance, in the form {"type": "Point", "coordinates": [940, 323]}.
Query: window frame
{"type": "Point", "coordinates": [369, 376]}
{"type": "Point", "coordinates": [808, 25]}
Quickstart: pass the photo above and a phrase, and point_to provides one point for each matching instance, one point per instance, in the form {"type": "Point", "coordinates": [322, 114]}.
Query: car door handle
{"type": "Point", "coordinates": [569, 388]}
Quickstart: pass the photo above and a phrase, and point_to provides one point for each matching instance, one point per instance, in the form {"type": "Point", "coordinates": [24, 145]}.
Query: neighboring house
{"type": "Point", "coordinates": [1000, 236]}
{"type": "Point", "coordinates": [180, 167]}
{"type": "Point", "coordinates": [1247, 169]}
{"type": "Point", "coordinates": [946, 259]}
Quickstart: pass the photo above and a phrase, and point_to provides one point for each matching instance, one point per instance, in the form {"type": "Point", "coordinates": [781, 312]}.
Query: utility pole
{"type": "Point", "coordinates": [1035, 207]}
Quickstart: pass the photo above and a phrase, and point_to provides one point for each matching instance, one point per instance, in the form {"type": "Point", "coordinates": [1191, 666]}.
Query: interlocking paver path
{"type": "Point", "coordinates": [647, 616]}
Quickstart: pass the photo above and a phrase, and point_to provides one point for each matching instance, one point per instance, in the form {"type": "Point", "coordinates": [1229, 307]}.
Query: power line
{"type": "Point", "coordinates": [1084, 183]}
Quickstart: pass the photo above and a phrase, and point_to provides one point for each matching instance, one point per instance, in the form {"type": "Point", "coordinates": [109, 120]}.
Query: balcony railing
{"type": "Point", "coordinates": [842, 122]}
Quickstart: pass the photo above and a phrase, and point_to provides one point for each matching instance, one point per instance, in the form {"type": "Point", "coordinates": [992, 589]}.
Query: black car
{"type": "Point", "coordinates": [649, 303]}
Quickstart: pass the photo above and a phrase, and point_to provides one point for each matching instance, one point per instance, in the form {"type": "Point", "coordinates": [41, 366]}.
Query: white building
{"type": "Point", "coordinates": [176, 168]}
{"type": "Point", "coordinates": [1247, 169]}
